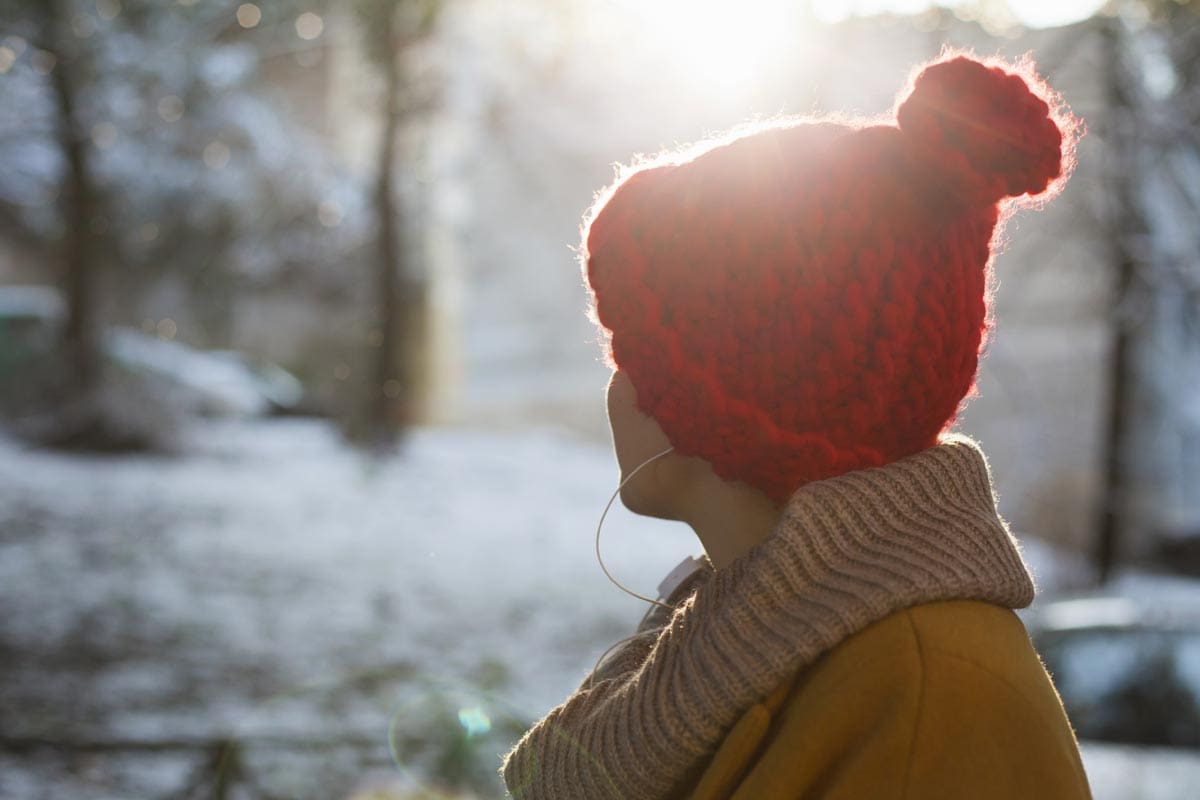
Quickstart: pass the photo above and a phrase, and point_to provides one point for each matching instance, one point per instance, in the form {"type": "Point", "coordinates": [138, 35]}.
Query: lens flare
{"type": "Point", "coordinates": [474, 721]}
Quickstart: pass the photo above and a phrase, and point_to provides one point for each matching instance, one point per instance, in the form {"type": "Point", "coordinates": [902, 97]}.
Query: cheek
{"type": "Point", "coordinates": [636, 436]}
{"type": "Point", "coordinates": [624, 435]}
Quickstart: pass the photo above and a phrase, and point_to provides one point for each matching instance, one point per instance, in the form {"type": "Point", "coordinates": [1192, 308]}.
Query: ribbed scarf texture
{"type": "Point", "coordinates": [848, 551]}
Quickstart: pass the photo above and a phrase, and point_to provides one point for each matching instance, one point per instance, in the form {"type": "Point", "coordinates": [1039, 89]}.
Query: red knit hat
{"type": "Point", "coordinates": [808, 297]}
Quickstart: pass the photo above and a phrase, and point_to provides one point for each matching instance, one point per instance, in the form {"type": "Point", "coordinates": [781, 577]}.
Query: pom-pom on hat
{"type": "Point", "coordinates": [805, 297]}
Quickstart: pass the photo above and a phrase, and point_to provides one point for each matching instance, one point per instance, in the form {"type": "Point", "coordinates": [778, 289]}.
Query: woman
{"type": "Point", "coordinates": [795, 315]}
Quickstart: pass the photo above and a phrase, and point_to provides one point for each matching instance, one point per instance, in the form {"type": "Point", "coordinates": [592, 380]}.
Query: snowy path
{"type": "Point", "coordinates": [273, 583]}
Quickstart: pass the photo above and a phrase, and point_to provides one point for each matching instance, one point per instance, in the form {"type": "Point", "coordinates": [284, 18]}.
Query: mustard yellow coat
{"type": "Point", "coordinates": [946, 700]}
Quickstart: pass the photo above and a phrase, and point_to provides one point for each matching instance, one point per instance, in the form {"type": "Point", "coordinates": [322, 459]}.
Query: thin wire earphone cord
{"type": "Point", "coordinates": [600, 525]}
{"type": "Point", "coordinates": [609, 575]}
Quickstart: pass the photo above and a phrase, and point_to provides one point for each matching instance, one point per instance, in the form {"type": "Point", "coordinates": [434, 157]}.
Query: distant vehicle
{"type": "Point", "coordinates": [1128, 672]}
{"type": "Point", "coordinates": [30, 318]}
{"type": "Point", "coordinates": [211, 383]}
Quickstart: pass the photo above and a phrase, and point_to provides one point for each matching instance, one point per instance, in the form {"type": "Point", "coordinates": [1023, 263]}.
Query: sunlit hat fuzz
{"type": "Point", "coordinates": [806, 297]}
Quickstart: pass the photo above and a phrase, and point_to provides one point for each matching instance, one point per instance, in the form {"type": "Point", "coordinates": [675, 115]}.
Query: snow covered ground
{"type": "Point", "coordinates": [276, 585]}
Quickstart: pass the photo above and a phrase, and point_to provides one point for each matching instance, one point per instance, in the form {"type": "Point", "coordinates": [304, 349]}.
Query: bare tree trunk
{"type": "Point", "coordinates": [80, 336]}
{"type": "Point", "coordinates": [1125, 228]}
{"type": "Point", "coordinates": [383, 418]}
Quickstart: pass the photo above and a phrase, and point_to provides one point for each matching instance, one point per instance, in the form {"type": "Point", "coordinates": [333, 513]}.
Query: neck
{"type": "Point", "coordinates": [729, 518]}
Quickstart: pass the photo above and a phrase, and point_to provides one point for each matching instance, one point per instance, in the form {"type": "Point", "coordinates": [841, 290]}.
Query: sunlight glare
{"type": "Point", "coordinates": [1032, 13]}
{"type": "Point", "coordinates": [1040, 14]}
{"type": "Point", "coordinates": [720, 44]}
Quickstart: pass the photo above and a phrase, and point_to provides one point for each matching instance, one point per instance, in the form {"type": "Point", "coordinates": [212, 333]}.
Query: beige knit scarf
{"type": "Point", "coordinates": [848, 551]}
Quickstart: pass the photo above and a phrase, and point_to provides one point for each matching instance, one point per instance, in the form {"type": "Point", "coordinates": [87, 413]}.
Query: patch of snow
{"type": "Point", "coordinates": [1118, 772]}
{"type": "Point", "coordinates": [264, 578]}
{"type": "Point", "coordinates": [227, 66]}
{"type": "Point", "coordinates": [39, 302]}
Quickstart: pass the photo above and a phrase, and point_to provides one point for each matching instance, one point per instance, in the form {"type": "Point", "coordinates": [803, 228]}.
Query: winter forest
{"type": "Point", "coordinates": [302, 428]}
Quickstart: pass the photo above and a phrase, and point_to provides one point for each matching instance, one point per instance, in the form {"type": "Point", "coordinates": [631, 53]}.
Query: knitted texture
{"type": "Point", "coordinates": [810, 298]}
{"type": "Point", "coordinates": [847, 552]}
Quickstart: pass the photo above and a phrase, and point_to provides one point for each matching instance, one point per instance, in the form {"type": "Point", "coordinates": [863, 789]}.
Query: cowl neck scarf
{"type": "Point", "coordinates": [848, 551]}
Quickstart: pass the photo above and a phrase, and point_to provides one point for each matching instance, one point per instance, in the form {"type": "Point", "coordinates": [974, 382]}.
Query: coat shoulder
{"type": "Point", "coordinates": [946, 699]}
{"type": "Point", "coordinates": [989, 714]}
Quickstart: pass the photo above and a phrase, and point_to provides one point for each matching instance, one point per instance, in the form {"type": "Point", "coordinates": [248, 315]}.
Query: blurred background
{"type": "Point", "coordinates": [303, 441]}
